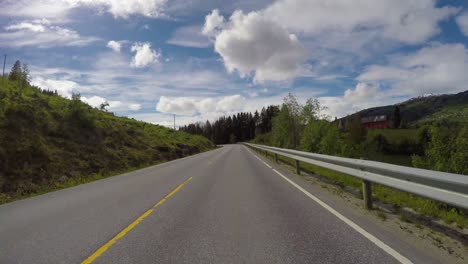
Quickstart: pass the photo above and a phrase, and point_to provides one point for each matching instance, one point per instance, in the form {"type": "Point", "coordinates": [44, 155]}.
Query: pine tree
{"type": "Point", "coordinates": [25, 77]}
{"type": "Point", "coordinates": [16, 72]}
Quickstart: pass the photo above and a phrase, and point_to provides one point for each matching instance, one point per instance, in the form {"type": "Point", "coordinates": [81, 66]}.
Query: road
{"type": "Point", "coordinates": [222, 206]}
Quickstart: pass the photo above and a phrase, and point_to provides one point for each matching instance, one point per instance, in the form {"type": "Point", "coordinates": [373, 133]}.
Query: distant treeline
{"type": "Point", "coordinates": [435, 145]}
{"type": "Point", "coordinates": [240, 127]}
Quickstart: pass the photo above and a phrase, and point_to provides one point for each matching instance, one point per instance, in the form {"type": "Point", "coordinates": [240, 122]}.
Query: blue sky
{"type": "Point", "coordinates": [202, 59]}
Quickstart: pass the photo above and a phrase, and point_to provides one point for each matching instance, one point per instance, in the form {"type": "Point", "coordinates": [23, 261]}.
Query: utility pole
{"type": "Point", "coordinates": [174, 121]}
{"type": "Point", "coordinates": [3, 74]}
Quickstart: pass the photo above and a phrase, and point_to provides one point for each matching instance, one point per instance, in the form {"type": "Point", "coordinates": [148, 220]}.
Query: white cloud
{"type": "Point", "coordinates": [438, 68]}
{"type": "Point", "coordinates": [231, 103]}
{"type": "Point", "coordinates": [123, 9]}
{"type": "Point", "coordinates": [58, 9]}
{"type": "Point", "coordinates": [114, 105]}
{"type": "Point", "coordinates": [51, 9]}
{"type": "Point", "coordinates": [134, 107]}
{"type": "Point", "coordinates": [462, 21]}
{"type": "Point", "coordinates": [180, 105]}
{"type": "Point", "coordinates": [252, 43]}
{"type": "Point", "coordinates": [144, 55]}
{"type": "Point", "coordinates": [190, 106]}
{"type": "Point", "coordinates": [335, 33]}
{"type": "Point", "coordinates": [94, 101]}
{"type": "Point", "coordinates": [41, 34]}
{"type": "Point", "coordinates": [189, 36]}
{"type": "Point", "coordinates": [214, 22]}
{"type": "Point", "coordinates": [406, 21]}
{"type": "Point", "coordinates": [114, 45]}
{"type": "Point", "coordinates": [64, 88]}
{"type": "Point", "coordinates": [364, 95]}
{"type": "Point", "coordinates": [363, 92]}
{"type": "Point", "coordinates": [26, 26]}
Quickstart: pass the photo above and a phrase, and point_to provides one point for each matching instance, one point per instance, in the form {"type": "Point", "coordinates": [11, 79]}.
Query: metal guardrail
{"type": "Point", "coordinates": [440, 186]}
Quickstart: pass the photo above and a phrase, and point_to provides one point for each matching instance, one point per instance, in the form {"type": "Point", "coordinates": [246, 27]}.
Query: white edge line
{"type": "Point", "coordinates": [266, 164]}
{"type": "Point", "coordinates": [347, 221]}
{"type": "Point", "coordinates": [359, 229]}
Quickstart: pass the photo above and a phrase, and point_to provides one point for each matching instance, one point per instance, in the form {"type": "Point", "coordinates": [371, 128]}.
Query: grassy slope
{"type": "Point", "coordinates": [447, 107]}
{"type": "Point", "coordinates": [49, 142]}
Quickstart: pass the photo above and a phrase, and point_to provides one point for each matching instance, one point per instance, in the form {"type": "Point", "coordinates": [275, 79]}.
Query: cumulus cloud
{"type": "Point", "coordinates": [250, 43]}
{"type": "Point", "coordinates": [462, 21]}
{"type": "Point", "coordinates": [144, 55]}
{"type": "Point", "coordinates": [114, 45]}
{"type": "Point", "coordinates": [114, 105]}
{"type": "Point", "coordinates": [41, 34]}
{"type": "Point", "coordinates": [230, 103]}
{"type": "Point", "coordinates": [438, 68]}
{"type": "Point", "coordinates": [213, 23]}
{"type": "Point", "coordinates": [59, 8]}
{"type": "Point", "coordinates": [178, 105]}
{"type": "Point", "coordinates": [190, 106]}
{"type": "Point", "coordinates": [64, 88]}
{"type": "Point", "coordinates": [334, 32]}
{"type": "Point", "coordinates": [94, 101]}
{"type": "Point", "coordinates": [364, 95]}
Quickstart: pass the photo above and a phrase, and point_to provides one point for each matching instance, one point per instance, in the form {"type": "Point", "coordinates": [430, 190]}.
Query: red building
{"type": "Point", "coordinates": [375, 122]}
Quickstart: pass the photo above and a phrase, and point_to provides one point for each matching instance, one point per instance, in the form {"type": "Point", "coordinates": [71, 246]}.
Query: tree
{"type": "Point", "coordinates": [445, 151]}
{"type": "Point", "coordinates": [295, 118]}
{"type": "Point", "coordinates": [242, 126]}
{"type": "Point", "coordinates": [281, 131]}
{"type": "Point", "coordinates": [357, 132]}
{"type": "Point", "coordinates": [16, 72]}
{"type": "Point", "coordinates": [232, 139]}
{"type": "Point", "coordinates": [312, 110]}
{"type": "Point", "coordinates": [313, 134]}
{"type": "Point", "coordinates": [396, 117]}
{"type": "Point", "coordinates": [25, 78]}
{"type": "Point", "coordinates": [208, 131]}
{"type": "Point", "coordinates": [103, 106]}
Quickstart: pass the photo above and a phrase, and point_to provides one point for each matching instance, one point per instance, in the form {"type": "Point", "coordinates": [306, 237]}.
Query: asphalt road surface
{"type": "Point", "coordinates": [222, 206]}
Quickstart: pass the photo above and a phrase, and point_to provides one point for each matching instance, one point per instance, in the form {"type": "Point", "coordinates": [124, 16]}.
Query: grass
{"type": "Point", "coordinates": [453, 114]}
{"type": "Point", "coordinates": [71, 182]}
{"type": "Point", "coordinates": [395, 136]}
{"type": "Point", "coordinates": [381, 215]}
{"type": "Point", "coordinates": [404, 218]}
{"type": "Point", "coordinates": [48, 142]}
{"type": "Point", "coordinates": [389, 195]}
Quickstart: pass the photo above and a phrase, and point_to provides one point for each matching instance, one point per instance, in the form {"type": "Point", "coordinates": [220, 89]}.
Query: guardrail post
{"type": "Point", "coordinates": [298, 168]}
{"type": "Point", "coordinates": [276, 158]}
{"type": "Point", "coordinates": [367, 194]}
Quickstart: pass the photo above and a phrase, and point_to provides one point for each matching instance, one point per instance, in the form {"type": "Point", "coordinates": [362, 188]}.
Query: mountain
{"type": "Point", "coordinates": [47, 141]}
{"type": "Point", "coordinates": [447, 107]}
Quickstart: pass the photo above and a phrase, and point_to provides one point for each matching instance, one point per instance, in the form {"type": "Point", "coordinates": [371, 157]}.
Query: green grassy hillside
{"type": "Point", "coordinates": [49, 142]}
{"type": "Point", "coordinates": [451, 108]}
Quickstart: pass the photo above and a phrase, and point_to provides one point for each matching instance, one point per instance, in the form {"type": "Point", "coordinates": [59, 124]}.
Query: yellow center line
{"type": "Point", "coordinates": [127, 229]}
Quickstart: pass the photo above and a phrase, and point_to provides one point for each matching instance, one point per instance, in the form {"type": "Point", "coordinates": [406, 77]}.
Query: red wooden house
{"type": "Point", "coordinates": [376, 122]}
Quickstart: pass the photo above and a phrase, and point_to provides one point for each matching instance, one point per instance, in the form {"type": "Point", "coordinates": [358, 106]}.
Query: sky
{"type": "Point", "coordinates": [200, 59]}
